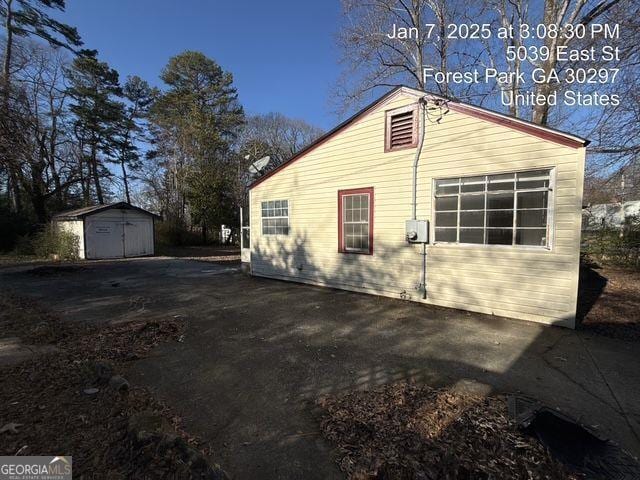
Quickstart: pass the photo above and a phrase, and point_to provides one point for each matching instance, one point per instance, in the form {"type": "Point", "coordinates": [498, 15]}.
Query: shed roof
{"type": "Point", "coordinates": [541, 131]}
{"type": "Point", "coordinates": [80, 213]}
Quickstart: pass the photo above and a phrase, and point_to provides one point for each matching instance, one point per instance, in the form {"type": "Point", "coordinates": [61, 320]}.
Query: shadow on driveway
{"type": "Point", "coordinates": [259, 352]}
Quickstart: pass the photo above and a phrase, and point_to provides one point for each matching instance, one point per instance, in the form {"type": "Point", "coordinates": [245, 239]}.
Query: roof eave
{"type": "Point", "coordinates": [546, 133]}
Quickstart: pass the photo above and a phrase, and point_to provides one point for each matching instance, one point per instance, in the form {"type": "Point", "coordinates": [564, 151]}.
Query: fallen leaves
{"type": "Point", "coordinates": [407, 431]}
{"type": "Point", "coordinates": [69, 402]}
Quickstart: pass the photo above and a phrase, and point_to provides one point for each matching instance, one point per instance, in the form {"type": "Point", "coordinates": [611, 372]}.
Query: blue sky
{"type": "Point", "coordinates": [282, 53]}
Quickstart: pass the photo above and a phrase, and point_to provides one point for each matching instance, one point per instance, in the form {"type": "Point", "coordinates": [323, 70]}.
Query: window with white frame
{"type": "Point", "coordinates": [503, 209]}
{"type": "Point", "coordinates": [275, 217]}
{"type": "Point", "coordinates": [356, 220]}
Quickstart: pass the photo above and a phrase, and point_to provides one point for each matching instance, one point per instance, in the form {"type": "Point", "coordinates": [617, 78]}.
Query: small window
{"type": "Point", "coordinates": [355, 221]}
{"type": "Point", "coordinates": [504, 209]}
{"type": "Point", "coordinates": [275, 217]}
{"type": "Point", "coordinates": [401, 128]}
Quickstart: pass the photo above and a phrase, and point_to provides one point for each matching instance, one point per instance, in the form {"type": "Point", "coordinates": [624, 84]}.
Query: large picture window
{"type": "Point", "coordinates": [504, 209]}
{"type": "Point", "coordinates": [275, 217]}
{"type": "Point", "coordinates": [355, 220]}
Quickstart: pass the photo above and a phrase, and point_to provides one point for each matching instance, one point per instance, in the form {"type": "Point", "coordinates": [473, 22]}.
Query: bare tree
{"type": "Point", "coordinates": [275, 135]}
{"type": "Point", "coordinates": [388, 43]}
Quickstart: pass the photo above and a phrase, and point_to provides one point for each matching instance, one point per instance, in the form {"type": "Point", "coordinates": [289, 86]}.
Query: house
{"type": "Point", "coordinates": [610, 215]}
{"type": "Point", "coordinates": [118, 230]}
{"type": "Point", "coordinates": [430, 200]}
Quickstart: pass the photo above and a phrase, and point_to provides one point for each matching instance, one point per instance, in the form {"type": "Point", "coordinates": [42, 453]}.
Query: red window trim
{"type": "Point", "coordinates": [355, 191]}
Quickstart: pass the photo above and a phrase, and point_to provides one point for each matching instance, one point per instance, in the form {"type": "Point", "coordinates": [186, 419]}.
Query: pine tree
{"type": "Point", "coordinates": [198, 118]}
{"type": "Point", "coordinates": [95, 89]}
{"type": "Point", "coordinates": [139, 97]}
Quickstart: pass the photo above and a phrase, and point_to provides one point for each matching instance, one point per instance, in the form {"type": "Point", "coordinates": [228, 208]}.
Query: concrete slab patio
{"type": "Point", "coordinates": [259, 352]}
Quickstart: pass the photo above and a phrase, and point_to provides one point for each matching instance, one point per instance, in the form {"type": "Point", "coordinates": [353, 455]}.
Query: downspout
{"type": "Point", "coordinates": [416, 160]}
{"type": "Point", "coordinates": [414, 200]}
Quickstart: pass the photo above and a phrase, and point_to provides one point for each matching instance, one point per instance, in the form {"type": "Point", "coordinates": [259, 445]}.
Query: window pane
{"type": "Point", "coordinates": [446, 203]}
{"type": "Point", "coordinates": [500, 201]}
{"type": "Point", "coordinates": [501, 182]}
{"type": "Point", "coordinates": [500, 236]}
{"type": "Point", "coordinates": [500, 218]}
{"type": "Point", "coordinates": [537, 237]}
{"type": "Point", "coordinates": [445, 234]}
{"type": "Point", "coordinates": [537, 174]}
{"type": "Point", "coordinates": [473, 184]}
{"type": "Point", "coordinates": [532, 200]}
{"type": "Point", "coordinates": [471, 219]}
{"type": "Point", "coordinates": [532, 184]}
{"type": "Point", "coordinates": [472, 202]}
{"type": "Point", "coordinates": [447, 186]}
{"type": "Point", "coordinates": [448, 219]}
{"type": "Point", "coordinates": [471, 235]}
{"type": "Point", "coordinates": [364, 241]}
{"type": "Point", "coordinates": [532, 218]}
{"type": "Point", "coordinates": [348, 215]}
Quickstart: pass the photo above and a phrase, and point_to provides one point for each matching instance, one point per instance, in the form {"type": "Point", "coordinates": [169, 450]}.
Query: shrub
{"type": "Point", "coordinates": [54, 241]}
{"type": "Point", "coordinates": [173, 234]}
{"type": "Point", "coordinates": [617, 246]}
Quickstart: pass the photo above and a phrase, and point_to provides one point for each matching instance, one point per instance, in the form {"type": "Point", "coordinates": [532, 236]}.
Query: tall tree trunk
{"type": "Point", "coordinates": [6, 70]}
{"type": "Point", "coordinates": [125, 180]}
{"type": "Point", "coordinates": [14, 186]}
{"type": "Point", "coordinates": [83, 181]}
{"type": "Point", "coordinates": [94, 173]}
{"type": "Point", "coordinates": [37, 195]}
{"type": "Point", "coordinates": [16, 195]}
{"type": "Point", "coordinates": [52, 152]}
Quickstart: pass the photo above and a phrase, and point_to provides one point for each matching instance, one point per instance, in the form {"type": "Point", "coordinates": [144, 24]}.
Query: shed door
{"type": "Point", "coordinates": [104, 237]}
{"type": "Point", "coordinates": [138, 236]}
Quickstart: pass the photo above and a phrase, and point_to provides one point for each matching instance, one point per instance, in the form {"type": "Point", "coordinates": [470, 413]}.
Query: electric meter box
{"type": "Point", "coordinates": [417, 231]}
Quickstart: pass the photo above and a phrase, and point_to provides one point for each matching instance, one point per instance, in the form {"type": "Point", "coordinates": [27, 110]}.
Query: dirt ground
{"type": "Point", "coordinates": [257, 354]}
{"type": "Point", "coordinates": [609, 301]}
{"type": "Point", "coordinates": [62, 399]}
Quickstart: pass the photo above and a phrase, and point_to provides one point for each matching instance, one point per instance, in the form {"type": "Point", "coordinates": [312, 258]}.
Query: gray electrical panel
{"type": "Point", "coordinates": [417, 231]}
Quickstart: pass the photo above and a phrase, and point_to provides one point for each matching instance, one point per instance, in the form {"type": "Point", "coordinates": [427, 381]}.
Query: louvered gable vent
{"type": "Point", "coordinates": [401, 130]}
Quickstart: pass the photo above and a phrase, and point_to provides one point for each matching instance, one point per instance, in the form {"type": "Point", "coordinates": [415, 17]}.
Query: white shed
{"type": "Point", "coordinates": [118, 230]}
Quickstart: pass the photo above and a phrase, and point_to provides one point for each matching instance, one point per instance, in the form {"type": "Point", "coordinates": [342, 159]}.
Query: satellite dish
{"type": "Point", "coordinates": [257, 166]}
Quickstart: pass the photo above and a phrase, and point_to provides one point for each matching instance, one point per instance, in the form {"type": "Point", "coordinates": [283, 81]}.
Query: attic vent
{"type": "Point", "coordinates": [401, 129]}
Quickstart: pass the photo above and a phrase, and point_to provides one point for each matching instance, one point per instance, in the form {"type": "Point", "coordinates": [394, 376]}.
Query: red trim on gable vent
{"type": "Point", "coordinates": [355, 191]}
{"type": "Point", "coordinates": [531, 129]}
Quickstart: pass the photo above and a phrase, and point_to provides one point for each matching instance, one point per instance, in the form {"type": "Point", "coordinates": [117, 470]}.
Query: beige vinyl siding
{"type": "Point", "coordinates": [522, 282]}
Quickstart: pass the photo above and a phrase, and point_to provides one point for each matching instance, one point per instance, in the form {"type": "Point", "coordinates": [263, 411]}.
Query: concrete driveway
{"type": "Point", "coordinates": [259, 352]}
